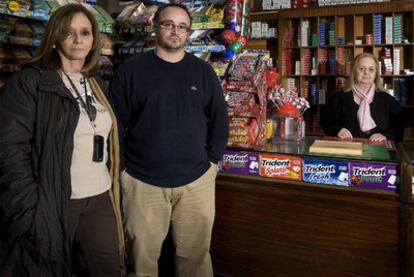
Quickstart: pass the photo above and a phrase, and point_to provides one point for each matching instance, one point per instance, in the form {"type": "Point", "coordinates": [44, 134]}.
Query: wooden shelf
{"type": "Point", "coordinates": [264, 15]}
{"type": "Point", "coordinates": [257, 44]}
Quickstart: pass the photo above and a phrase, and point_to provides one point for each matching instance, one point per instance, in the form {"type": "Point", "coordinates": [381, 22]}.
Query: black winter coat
{"type": "Point", "coordinates": [341, 112]}
{"type": "Point", "coordinates": [38, 117]}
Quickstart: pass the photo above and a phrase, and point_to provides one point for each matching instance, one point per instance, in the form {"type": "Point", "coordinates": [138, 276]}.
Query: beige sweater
{"type": "Point", "coordinates": [88, 178]}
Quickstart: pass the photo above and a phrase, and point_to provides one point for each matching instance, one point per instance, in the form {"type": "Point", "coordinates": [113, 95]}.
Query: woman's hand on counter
{"type": "Point", "coordinates": [344, 134]}
{"type": "Point", "coordinates": [377, 137]}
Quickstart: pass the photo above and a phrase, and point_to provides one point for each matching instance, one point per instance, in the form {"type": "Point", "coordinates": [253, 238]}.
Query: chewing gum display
{"type": "Point", "coordinates": [325, 172]}
{"type": "Point", "coordinates": [373, 176]}
{"type": "Point", "coordinates": [278, 166]}
{"type": "Point", "coordinates": [239, 162]}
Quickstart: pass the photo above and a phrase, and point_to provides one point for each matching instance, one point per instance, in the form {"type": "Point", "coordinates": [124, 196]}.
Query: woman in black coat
{"type": "Point", "coordinates": [364, 110]}
{"type": "Point", "coordinates": [57, 138]}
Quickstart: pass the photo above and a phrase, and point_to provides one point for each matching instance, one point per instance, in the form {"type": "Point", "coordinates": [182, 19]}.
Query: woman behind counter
{"type": "Point", "coordinates": [59, 158]}
{"type": "Point", "coordinates": [364, 110]}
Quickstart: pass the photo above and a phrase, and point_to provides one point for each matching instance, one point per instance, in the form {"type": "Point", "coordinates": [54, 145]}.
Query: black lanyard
{"type": "Point", "coordinates": [86, 105]}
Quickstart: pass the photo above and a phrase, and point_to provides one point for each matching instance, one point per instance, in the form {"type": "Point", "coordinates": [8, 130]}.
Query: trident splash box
{"type": "Point", "coordinates": [240, 162]}
{"type": "Point", "coordinates": [278, 166]}
{"type": "Point", "coordinates": [325, 172]}
{"type": "Point", "coordinates": [373, 176]}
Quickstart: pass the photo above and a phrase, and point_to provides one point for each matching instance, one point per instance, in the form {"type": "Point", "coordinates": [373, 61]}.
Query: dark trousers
{"type": "Point", "coordinates": [92, 227]}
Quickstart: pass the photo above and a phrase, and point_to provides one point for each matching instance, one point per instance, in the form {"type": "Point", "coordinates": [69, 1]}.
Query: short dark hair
{"type": "Point", "coordinates": [157, 14]}
{"type": "Point", "coordinates": [55, 32]}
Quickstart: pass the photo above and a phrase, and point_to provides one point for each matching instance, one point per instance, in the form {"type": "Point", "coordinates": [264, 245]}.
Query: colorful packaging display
{"type": "Point", "coordinates": [240, 162]}
{"type": "Point", "coordinates": [373, 176]}
{"type": "Point", "coordinates": [325, 172]}
{"type": "Point", "coordinates": [320, 171]}
{"type": "Point", "coordinates": [242, 132]}
{"type": "Point", "coordinates": [278, 166]}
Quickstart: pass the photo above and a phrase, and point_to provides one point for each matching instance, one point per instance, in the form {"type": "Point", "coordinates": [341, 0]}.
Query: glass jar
{"type": "Point", "coordinates": [288, 127]}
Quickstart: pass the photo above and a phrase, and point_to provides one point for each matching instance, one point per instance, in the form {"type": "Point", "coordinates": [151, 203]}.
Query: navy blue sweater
{"type": "Point", "coordinates": [172, 118]}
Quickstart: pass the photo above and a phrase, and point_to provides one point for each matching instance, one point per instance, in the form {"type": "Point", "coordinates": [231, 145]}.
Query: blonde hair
{"type": "Point", "coordinates": [354, 71]}
{"type": "Point", "coordinates": [47, 55]}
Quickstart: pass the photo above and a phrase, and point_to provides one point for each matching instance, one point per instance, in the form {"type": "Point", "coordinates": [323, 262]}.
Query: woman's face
{"type": "Point", "coordinates": [366, 71]}
{"type": "Point", "coordinates": [79, 39]}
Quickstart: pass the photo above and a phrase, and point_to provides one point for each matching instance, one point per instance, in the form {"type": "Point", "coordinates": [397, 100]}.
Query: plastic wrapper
{"type": "Point", "coordinates": [248, 69]}
{"type": "Point", "coordinates": [242, 132]}
{"type": "Point", "coordinates": [233, 14]}
{"type": "Point", "coordinates": [146, 17]}
{"type": "Point", "coordinates": [216, 14]}
{"type": "Point", "coordinates": [124, 15]}
{"type": "Point", "coordinates": [242, 104]}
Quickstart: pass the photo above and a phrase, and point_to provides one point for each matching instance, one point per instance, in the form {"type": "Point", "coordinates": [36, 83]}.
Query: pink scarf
{"type": "Point", "coordinates": [366, 122]}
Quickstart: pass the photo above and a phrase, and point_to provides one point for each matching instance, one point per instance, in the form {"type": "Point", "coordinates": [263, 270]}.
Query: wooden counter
{"type": "Point", "coordinates": [270, 227]}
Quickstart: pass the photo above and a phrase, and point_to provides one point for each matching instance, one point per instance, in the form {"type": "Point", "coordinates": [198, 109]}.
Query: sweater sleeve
{"type": "Point", "coordinates": [18, 183]}
{"type": "Point", "coordinates": [330, 118]}
{"type": "Point", "coordinates": [119, 96]}
{"type": "Point", "coordinates": [218, 128]}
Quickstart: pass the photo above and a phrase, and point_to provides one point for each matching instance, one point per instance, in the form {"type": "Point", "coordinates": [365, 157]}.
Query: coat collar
{"type": "Point", "coordinates": [51, 82]}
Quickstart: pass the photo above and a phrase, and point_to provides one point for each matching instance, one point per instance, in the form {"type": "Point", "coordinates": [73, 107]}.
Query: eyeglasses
{"type": "Point", "coordinates": [370, 70]}
{"type": "Point", "coordinates": [182, 28]}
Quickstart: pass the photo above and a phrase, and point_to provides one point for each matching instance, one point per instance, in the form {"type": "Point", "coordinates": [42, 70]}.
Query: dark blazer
{"type": "Point", "coordinates": [341, 112]}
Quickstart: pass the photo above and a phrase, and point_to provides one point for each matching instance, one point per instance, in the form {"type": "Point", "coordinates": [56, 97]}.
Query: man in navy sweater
{"type": "Point", "coordinates": [173, 130]}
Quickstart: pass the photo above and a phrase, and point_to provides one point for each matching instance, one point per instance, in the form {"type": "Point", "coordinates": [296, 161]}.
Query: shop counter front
{"type": "Point", "coordinates": [408, 153]}
{"type": "Point", "coordinates": [407, 211]}
{"type": "Point", "coordinates": [282, 211]}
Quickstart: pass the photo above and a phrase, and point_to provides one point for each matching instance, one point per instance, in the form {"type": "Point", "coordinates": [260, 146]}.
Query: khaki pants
{"type": "Point", "coordinates": [148, 211]}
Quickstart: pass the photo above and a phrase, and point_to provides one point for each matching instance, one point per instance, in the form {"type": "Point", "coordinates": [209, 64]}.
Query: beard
{"type": "Point", "coordinates": [172, 43]}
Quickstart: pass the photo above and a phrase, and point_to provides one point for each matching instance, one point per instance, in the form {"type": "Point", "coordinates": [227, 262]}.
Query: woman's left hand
{"type": "Point", "coordinates": [377, 137]}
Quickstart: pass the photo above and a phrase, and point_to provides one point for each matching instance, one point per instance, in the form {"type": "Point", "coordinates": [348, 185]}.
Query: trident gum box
{"type": "Point", "coordinates": [373, 176]}
{"type": "Point", "coordinates": [239, 162]}
{"type": "Point", "coordinates": [278, 166]}
{"type": "Point", "coordinates": [325, 172]}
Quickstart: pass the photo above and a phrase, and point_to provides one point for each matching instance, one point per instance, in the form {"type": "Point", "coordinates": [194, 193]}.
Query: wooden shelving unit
{"type": "Point", "coordinates": [271, 44]}
{"type": "Point", "coordinates": [351, 24]}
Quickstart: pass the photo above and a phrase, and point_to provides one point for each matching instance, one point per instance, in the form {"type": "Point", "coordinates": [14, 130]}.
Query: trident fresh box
{"type": "Point", "coordinates": [240, 162]}
{"type": "Point", "coordinates": [373, 176]}
{"type": "Point", "coordinates": [325, 172]}
{"type": "Point", "coordinates": [278, 166]}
